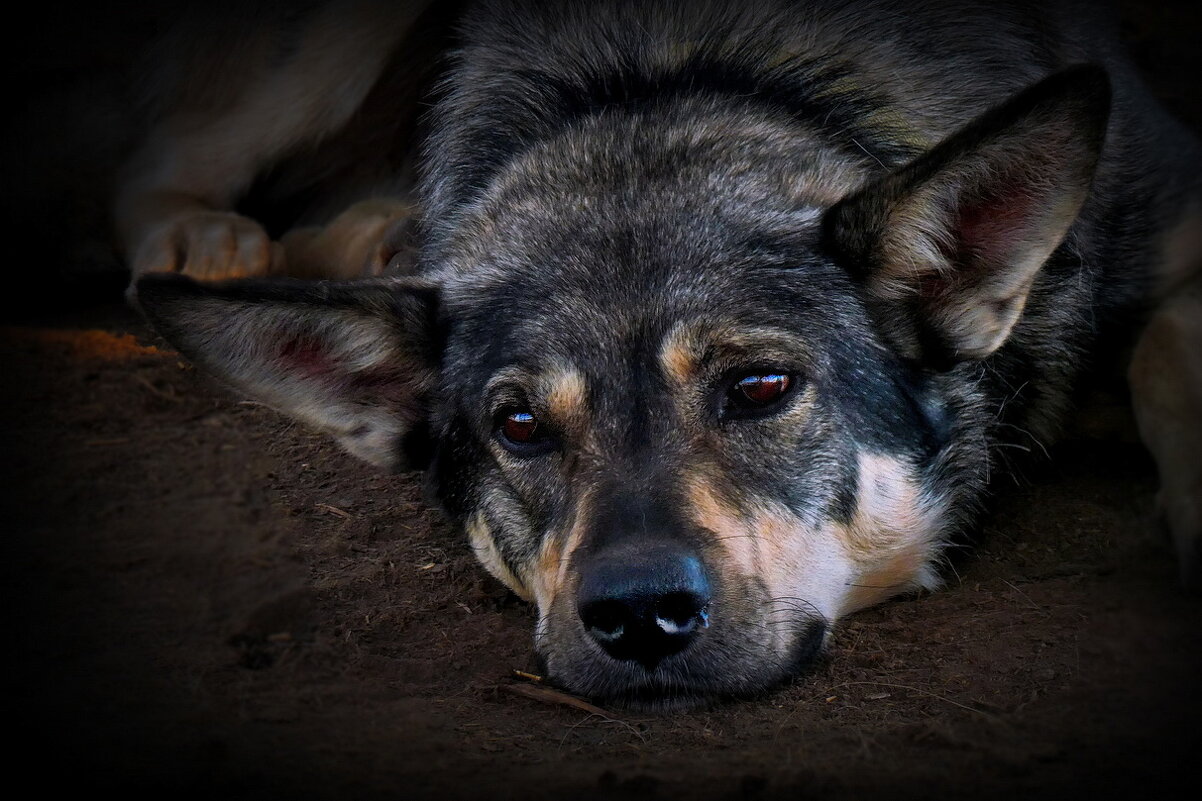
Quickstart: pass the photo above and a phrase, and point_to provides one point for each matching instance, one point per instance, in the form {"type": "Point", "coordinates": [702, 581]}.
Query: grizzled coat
{"type": "Point", "coordinates": [913, 222]}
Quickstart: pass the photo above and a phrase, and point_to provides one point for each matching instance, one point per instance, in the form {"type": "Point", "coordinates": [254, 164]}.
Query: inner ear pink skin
{"type": "Point", "coordinates": [989, 226]}
{"type": "Point", "coordinates": [305, 355]}
{"type": "Point", "coordinates": [308, 358]}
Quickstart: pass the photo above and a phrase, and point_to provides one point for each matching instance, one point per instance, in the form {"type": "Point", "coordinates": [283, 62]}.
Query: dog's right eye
{"type": "Point", "coordinates": [756, 394]}
{"type": "Point", "coordinates": [522, 433]}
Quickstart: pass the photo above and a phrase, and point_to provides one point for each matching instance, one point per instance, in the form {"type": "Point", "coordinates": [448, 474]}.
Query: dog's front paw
{"type": "Point", "coordinates": [209, 245]}
{"type": "Point", "coordinates": [364, 240]}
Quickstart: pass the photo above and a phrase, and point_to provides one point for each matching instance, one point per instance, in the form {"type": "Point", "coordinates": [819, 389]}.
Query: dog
{"type": "Point", "coordinates": [706, 322]}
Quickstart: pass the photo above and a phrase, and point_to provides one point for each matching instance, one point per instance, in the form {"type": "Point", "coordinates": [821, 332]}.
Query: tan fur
{"type": "Point", "coordinates": [558, 394]}
{"type": "Point", "coordinates": [987, 288]}
{"type": "Point", "coordinates": [567, 397]}
{"type": "Point", "coordinates": [738, 546]}
{"type": "Point", "coordinates": [550, 575]}
{"type": "Point", "coordinates": [884, 551]}
{"type": "Point", "coordinates": [892, 574]}
{"type": "Point", "coordinates": [781, 568]}
{"type": "Point", "coordinates": [891, 537]}
{"type": "Point", "coordinates": [351, 246]}
{"type": "Point", "coordinates": [691, 347]}
{"type": "Point", "coordinates": [762, 542]}
{"type": "Point", "coordinates": [678, 355]}
{"type": "Point", "coordinates": [485, 548]}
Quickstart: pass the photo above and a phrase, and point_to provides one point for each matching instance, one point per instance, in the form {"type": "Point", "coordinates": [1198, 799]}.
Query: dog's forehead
{"type": "Point", "coordinates": [610, 318]}
{"type": "Point", "coordinates": [597, 245]}
{"type": "Point", "coordinates": [606, 264]}
{"type": "Point", "coordinates": [646, 193]}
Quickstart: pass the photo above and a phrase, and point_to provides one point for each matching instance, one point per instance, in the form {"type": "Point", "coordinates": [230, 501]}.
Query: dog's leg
{"type": "Point", "coordinates": [173, 210]}
{"type": "Point", "coordinates": [1166, 389]}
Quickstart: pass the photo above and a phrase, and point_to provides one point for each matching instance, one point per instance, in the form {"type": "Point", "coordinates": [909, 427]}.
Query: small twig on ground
{"type": "Point", "coordinates": [548, 695]}
{"type": "Point", "coordinates": [334, 510]}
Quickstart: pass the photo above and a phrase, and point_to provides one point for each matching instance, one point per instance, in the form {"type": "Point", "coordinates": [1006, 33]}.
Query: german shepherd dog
{"type": "Point", "coordinates": [707, 320]}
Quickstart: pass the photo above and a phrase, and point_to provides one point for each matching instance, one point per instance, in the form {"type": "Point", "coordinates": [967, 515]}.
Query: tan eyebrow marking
{"type": "Point", "coordinates": [557, 392]}
{"type": "Point", "coordinates": [567, 394]}
{"type": "Point", "coordinates": [678, 354]}
{"type": "Point", "coordinates": [687, 349]}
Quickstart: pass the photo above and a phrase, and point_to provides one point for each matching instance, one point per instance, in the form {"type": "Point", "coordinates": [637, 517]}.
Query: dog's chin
{"type": "Point", "coordinates": [690, 684]}
{"type": "Point", "coordinates": [664, 699]}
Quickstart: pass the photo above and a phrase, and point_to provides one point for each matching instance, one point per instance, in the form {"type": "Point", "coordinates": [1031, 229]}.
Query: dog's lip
{"type": "Point", "coordinates": [662, 697]}
{"type": "Point", "coordinates": [644, 690]}
{"type": "Point", "coordinates": [661, 689]}
{"type": "Point", "coordinates": [646, 701]}
{"type": "Point", "coordinates": [656, 695]}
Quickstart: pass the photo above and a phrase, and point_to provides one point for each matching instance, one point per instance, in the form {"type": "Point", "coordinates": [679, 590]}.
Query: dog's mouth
{"type": "Point", "coordinates": [709, 673]}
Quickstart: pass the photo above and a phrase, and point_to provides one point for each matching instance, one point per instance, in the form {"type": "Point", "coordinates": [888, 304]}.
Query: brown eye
{"type": "Point", "coordinates": [761, 390]}
{"type": "Point", "coordinates": [756, 393]}
{"type": "Point", "coordinates": [520, 427]}
{"type": "Point", "coordinates": [522, 434]}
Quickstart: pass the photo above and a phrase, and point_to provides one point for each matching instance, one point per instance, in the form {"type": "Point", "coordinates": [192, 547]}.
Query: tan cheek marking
{"type": "Point", "coordinates": [888, 506]}
{"type": "Point", "coordinates": [769, 544]}
{"type": "Point", "coordinates": [731, 533]}
{"type": "Point", "coordinates": [892, 536]}
{"type": "Point", "coordinates": [485, 548]}
{"type": "Point", "coordinates": [900, 572]}
{"type": "Point", "coordinates": [802, 562]}
{"type": "Point", "coordinates": [884, 551]}
{"type": "Point", "coordinates": [550, 574]}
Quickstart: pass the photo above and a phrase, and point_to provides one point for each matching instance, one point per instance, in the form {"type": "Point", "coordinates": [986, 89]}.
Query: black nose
{"type": "Point", "coordinates": [644, 604]}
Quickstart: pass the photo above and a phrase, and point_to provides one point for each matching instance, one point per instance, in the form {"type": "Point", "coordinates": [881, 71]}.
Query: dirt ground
{"type": "Point", "coordinates": [204, 601]}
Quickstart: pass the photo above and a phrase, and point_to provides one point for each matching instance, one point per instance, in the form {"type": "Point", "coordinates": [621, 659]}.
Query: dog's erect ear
{"type": "Point", "coordinates": [959, 234]}
{"type": "Point", "coordinates": [356, 360]}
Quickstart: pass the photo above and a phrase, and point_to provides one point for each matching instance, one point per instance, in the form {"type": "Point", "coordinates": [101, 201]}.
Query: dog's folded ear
{"type": "Point", "coordinates": [958, 235]}
{"type": "Point", "coordinates": [356, 360]}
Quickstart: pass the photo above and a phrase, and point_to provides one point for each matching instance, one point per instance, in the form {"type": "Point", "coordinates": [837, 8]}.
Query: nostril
{"type": "Point", "coordinates": [606, 620]}
{"type": "Point", "coordinates": [675, 614]}
{"type": "Point", "coordinates": [681, 613]}
{"type": "Point", "coordinates": [645, 629]}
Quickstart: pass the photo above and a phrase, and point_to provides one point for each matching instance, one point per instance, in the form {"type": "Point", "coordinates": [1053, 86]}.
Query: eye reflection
{"type": "Point", "coordinates": [759, 390]}
{"type": "Point", "coordinates": [520, 427]}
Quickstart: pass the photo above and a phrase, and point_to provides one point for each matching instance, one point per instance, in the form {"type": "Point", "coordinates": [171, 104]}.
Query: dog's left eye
{"type": "Point", "coordinates": [753, 394]}
{"type": "Point", "coordinates": [521, 432]}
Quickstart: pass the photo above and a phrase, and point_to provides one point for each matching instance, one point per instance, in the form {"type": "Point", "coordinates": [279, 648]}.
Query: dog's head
{"type": "Point", "coordinates": [696, 391]}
